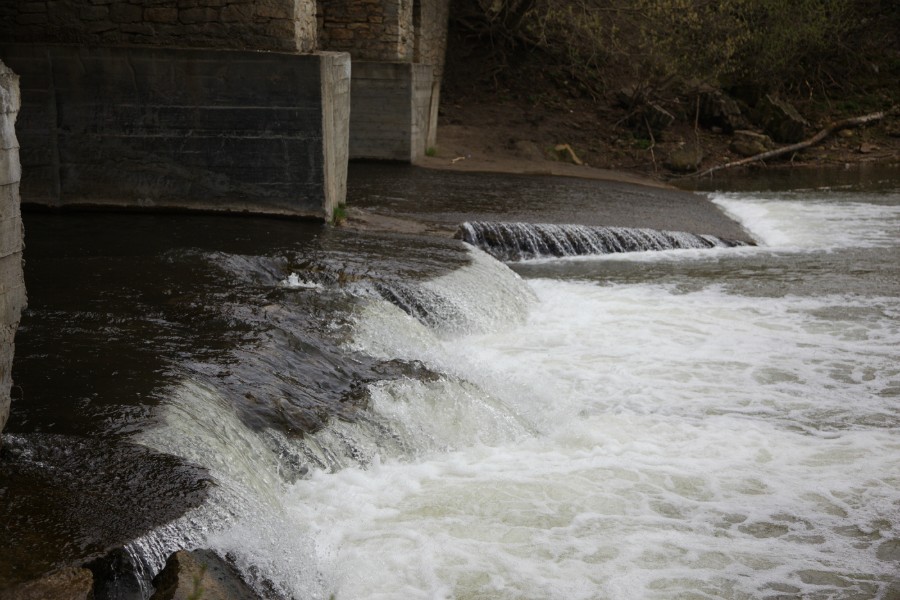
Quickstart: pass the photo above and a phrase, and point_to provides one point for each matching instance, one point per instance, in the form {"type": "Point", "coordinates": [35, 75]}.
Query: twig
{"type": "Point", "coordinates": [652, 145]}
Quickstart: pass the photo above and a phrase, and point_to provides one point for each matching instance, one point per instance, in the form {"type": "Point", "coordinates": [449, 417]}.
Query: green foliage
{"type": "Point", "coordinates": [197, 592]}
{"type": "Point", "coordinates": [430, 151]}
{"type": "Point", "coordinates": [339, 215]}
{"type": "Point", "coordinates": [642, 144]}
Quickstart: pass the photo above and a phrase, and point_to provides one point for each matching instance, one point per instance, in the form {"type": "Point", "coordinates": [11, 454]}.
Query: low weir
{"type": "Point", "coordinates": [523, 241]}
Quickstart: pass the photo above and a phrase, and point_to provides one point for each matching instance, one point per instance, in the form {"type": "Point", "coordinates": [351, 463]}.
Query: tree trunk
{"type": "Point", "coordinates": [816, 139]}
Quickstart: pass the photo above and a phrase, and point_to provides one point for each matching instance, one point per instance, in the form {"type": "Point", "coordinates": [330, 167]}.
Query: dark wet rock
{"type": "Point", "coordinates": [65, 584]}
{"type": "Point", "coordinates": [200, 573]}
{"type": "Point", "coordinates": [750, 143]}
{"type": "Point", "coordinates": [66, 500]}
{"type": "Point", "coordinates": [780, 120]}
{"type": "Point", "coordinates": [685, 158]}
{"type": "Point", "coordinates": [719, 110]}
{"type": "Point", "coordinates": [116, 577]}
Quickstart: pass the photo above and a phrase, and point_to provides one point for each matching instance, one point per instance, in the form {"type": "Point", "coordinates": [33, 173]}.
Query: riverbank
{"type": "Point", "coordinates": [508, 136]}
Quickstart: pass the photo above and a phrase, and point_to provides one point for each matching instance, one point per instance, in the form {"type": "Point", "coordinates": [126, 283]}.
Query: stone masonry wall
{"type": "Point", "coordinates": [386, 30]}
{"type": "Point", "coordinates": [431, 35]}
{"type": "Point", "coordinates": [12, 284]}
{"type": "Point", "coordinates": [367, 29]}
{"type": "Point", "coordinates": [280, 25]}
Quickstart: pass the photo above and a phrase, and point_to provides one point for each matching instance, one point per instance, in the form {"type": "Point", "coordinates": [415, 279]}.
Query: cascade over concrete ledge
{"type": "Point", "coordinates": [163, 128]}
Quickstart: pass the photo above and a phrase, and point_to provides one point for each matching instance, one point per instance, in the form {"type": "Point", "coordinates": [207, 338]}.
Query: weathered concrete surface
{"type": "Point", "coordinates": [12, 284]}
{"type": "Point", "coordinates": [336, 83]}
{"type": "Point", "coordinates": [390, 110]}
{"type": "Point", "coordinates": [182, 129]}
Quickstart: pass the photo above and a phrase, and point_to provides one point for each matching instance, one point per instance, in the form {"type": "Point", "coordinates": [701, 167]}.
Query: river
{"type": "Point", "coordinates": [372, 415]}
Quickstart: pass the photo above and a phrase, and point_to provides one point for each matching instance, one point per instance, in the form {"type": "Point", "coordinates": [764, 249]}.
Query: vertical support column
{"type": "Point", "coordinates": [335, 127]}
{"type": "Point", "coordinates": [390, 112]}
{"type": "Point", "coordinates": [12, 284]}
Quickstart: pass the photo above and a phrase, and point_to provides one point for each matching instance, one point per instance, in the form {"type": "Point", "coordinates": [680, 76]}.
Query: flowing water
{"type": "Point", "coordinates": [365, 416]}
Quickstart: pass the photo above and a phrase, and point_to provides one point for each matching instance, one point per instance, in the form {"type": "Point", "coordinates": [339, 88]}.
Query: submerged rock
{"type": "Point", "coordinates": [200, 574]}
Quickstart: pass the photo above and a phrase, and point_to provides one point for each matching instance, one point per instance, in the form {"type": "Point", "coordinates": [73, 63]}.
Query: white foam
{"type": "Point", "coordinates": [294, 281]}
{"type": "Point", "coordinates": [697, 442]}
{"type": "Point", "coordinates": [609, 441]}
{"type": "Point", "coordinates": [814, 221]}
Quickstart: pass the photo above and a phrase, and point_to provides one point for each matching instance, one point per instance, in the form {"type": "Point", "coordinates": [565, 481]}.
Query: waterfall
{"type": "Point", "coordinates": [523, 241]}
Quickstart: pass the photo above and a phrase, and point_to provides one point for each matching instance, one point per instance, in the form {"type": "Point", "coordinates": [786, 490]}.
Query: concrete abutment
{"type": "Point", "coordinates": [12, 283]}
{"type": "Point", "coordinates": [160, 128]}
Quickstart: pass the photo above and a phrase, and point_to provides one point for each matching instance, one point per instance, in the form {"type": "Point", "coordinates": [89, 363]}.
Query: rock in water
{"type": "Point", "coordinates": [200, 574]}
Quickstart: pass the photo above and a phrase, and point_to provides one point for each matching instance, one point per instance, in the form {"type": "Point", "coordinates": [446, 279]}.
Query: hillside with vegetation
{"type": "Point", "coordinates": [672, 87]}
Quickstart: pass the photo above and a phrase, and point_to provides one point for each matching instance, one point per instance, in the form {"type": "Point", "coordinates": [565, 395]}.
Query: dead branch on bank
{"type": "Point", "coordinates": [816, 139]}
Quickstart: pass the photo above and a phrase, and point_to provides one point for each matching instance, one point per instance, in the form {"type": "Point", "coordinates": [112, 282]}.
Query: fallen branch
{"type": "Point", "coordinates": [833, 128]}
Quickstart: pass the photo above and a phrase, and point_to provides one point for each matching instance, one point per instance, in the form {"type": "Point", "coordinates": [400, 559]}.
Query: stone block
{"type": "Point", "coordinates": [275, 9]}
{"type": "Point", "coordinates": [198, 15]}
{"type": "Point", "coordinates": [32, 7]}
{"type": "Point", "coordinates": [139, 29]}
{"type": "Point", "coordinates": [32, 19]}
{"type": "Point", "coordinates": [340, 34]}
{"type": "Point", "coordinates": [93, 13]}
{"type": "Point", "coordinates": [161, 14]}
{"type": "Point", "coordinates": [125, 13]}
{"type": "Point", "coordinates": [237, 13]}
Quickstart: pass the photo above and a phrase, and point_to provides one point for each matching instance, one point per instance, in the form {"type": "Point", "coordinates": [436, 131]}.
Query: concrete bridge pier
{"type": "Point", "coordinates": [390, 110]}
{"type": "Point", "coordinates": [398, 50]}
{"type": "Point", "coordinates": [199, 129]}
{"type": "Point", "coordinates": [12, 284]}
